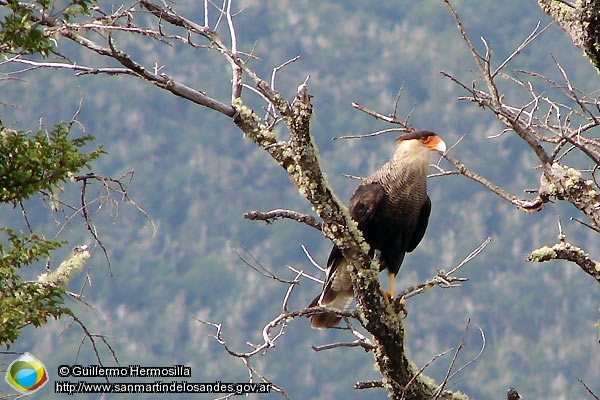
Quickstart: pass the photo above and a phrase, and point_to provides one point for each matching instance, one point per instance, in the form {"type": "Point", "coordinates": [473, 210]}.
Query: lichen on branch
{"type": "Point", "coordinates": [67, 269]}
{"type": "Point", "coordinates": [581, 22]}
{"type": "Point", "coordinates": [566, 251]}
{"type": "Point", "coordinates": [565, 183]}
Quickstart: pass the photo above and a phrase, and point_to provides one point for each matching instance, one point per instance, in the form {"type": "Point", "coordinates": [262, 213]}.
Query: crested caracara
{"type": "Point", "coordinates": [392, 209]}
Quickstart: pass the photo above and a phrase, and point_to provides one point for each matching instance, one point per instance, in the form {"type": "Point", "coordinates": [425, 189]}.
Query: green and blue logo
{"type": "Point", "coordinates": [26, 374]}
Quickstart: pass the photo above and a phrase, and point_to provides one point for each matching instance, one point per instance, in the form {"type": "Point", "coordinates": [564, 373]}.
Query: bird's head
{"type": "Point", "coordinates": [417, 148]}
{"type": "Point", "coordinates": [427, 139]}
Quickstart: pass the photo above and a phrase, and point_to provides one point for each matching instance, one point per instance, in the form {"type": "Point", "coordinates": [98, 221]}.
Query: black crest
{"type": "Point", "coordinates": [415, 135]}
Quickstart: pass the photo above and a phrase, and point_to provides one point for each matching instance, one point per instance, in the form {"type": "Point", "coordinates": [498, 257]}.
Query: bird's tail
{"type": "Point", "coordinates": [337, 291]}
{"type": "Point", "coordinates": [326, 320]}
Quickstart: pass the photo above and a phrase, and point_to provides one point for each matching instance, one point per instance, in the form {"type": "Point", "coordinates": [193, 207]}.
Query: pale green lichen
{"type": "Point", "coordinates": [365, 248]}
{"type": "Point", "coordinates": [560, 246]}
{"type": "Point", "coordinates": [303, 192]}
{"type": "Point", "coordinates": [573, 173]}
{"type": "Point", "coordinates": [67, 269]}
{"type": "Point", "coordinates": [573, 180]}
{"type": "Point", "coordinates": [458, 395]}
{"type": "Point", "coordinates": [280, 103]}
{"type": "Point", "coordinates": [564, 246]}
{"type": "Point", "coordinates": [364, 274]}
{"type": "Point", "coordinates": [251, 125]}
{"type": "Point", "coordinates": [541, 254]}
{"type": "Point", "coordinates": [565, 251]}
{"type": "Point", "coordinates": [288, 152]}
{"type": "Point", "coordinates": [588, 16]}
{"type": "Point", "coordinates": [390, 312]}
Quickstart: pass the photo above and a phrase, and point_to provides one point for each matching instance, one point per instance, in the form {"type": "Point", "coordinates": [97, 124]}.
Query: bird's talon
{"type": "Point", "coordinates": [400, 303]}
{"type": "Point", "coordinates": [387, 296]}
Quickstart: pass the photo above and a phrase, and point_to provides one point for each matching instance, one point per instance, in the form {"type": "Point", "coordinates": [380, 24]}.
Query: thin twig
{"type": "Point", "coordinates": [423, 368]}
{"type": "Point", "coordinates": [532, 36]}
{"type": "Point", "coordinates": [311, 259]}
{"type": "Point", "coordinates": [356, 343]}
{"type": "Point", "coordinates": [372, 134]}
{"type": "Point", "coordinates": [443, 279]}
{"type": "Point", "coordinates": [446, 379]}
{"type": "Point", "coordinates": [368, 385]}
{"type": "Point", "coordinates": [258, 267]}
{"type": "Point", "coordinates": [588, 389]}
{"type": "Point", "coordinates": [476, 357]}
{"type": "Point", "coordinates": [274, 215]}
{"type": "Point", "coordinates": [387, 118]}
{"type": "Point", "coordinates": [525, 205]}
{"type": "Point", "coordinates": [288, 293]}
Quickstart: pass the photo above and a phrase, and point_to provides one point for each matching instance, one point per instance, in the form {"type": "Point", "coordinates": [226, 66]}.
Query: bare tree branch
{"type": "Point", "coordinates": [588, 389]}
{"type": "Point", "coordinates": [244, 357]}
{"type": "Point", "coordinates": [492, 99]}
{"type": "Point", "coordinates": [526, 205]}
{"type": "Point", "coordinates": [443, 279]}
{"type": "Point", "coordinates": [356, 343]}
{"type": "Point", "coordinates": [542, 120]}
{"type": "Point", "coordinates": [92, 339]}
{"type": "Point", "coordinates": [258, 267]}
{"type": "Point", "coordinates": [274, 215]}
{"type": "Point", "coordinates": [566, 251]}
{"type": "Point", "coordinates": [368, 385]}
{"type": "Point", "coordinates": [392, 119]}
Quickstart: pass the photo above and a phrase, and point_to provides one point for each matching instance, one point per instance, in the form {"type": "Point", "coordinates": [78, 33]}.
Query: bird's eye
{"type": "Point", "coordinates": [427, 139]}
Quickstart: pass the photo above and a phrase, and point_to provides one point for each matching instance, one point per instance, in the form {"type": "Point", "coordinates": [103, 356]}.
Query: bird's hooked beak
{"type": "Point", "coordinates": [441, 146]}
{"type": "Point", "coordinates": [435, 143]}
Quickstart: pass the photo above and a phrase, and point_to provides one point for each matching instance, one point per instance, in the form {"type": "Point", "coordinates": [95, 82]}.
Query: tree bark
{"type": "Point", "coordinates": [580, 21]}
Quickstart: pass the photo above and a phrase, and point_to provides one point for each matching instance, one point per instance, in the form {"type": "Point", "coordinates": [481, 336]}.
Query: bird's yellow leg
{"type": "Point", "coordinates": [389, 295]}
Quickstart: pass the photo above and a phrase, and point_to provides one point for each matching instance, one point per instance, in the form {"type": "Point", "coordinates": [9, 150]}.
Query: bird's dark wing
{"type": "Point", "coordinates": [421, 226]}
{"type": "Point", "coordinates": [365, 203]}
{"type": "Point", "coordinates": [337, 290]}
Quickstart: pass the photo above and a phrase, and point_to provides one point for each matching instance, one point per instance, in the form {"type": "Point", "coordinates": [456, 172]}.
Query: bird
{"type": "Point", "coordinates": [391, 208]}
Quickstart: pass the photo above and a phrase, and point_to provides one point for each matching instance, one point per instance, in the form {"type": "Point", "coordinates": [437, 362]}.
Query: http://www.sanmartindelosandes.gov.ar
{"type": "Point", "coordinates": [26, 374]}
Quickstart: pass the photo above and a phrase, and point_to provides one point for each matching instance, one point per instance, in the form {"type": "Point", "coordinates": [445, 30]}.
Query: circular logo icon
{"type": "Point", "coordinates": [26, 374]}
